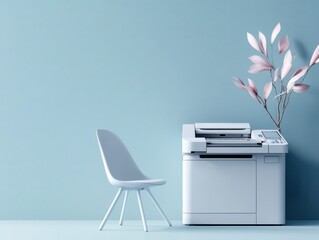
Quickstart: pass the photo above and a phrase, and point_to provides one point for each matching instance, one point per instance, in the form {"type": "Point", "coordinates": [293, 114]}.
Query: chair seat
{"type": "Point", "coordinates": [139, 183]}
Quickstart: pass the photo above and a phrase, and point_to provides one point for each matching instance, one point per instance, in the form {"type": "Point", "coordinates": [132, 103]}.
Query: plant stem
{"type": "Point", "coordinates": [266, 108]}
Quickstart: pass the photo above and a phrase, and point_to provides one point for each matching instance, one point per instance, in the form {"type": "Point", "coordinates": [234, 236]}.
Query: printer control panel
{"type": "Point", "coordinates": [273, 137]}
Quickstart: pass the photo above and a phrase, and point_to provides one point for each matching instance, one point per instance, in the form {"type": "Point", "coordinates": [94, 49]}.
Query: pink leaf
{"type": "Point", "coordinates": [253, 85]}
{"type": "Point", "coordinates": [290, 85]}
{"type": "Point", "coordinates": [276, 74]}
{"type": "Point", "coordinates": [259, 61]}
{"type": "Point", "coordinates": [298, 74]}
{"type": "Point", "coordinates": [295, 77]}
{"type": "Point", "coordinates": [286, 67]}
{"type": "Point", "coordinates": [275, 33]}
{"type": "Point", "coordinates": [253, 42]}
{"type": "Point", "coordinates": [283, 44]}
{"type": "Point", "coordinates": [252, 93]}
{"type": "Point", "coordinates": [300, 88]}
{"type": "Point", "coordinates": [263, 43]}
{"type": "Point", "coordinates": [256, 68]}
{"type": "Point", "coordinates": [267, 90]}
{"type": "Point", "coordinates": [239, 83]}
{"type": "Point", "coordinates": [285, 70]}
{"type": "Point", "coordinates": [315, 56]}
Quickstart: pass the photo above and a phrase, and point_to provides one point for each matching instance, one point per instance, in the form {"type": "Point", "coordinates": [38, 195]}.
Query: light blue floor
{"type": "Point", "coordinates": [80, 230]}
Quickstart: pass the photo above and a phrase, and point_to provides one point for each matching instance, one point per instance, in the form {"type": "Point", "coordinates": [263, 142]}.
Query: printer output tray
{"type": "Point", "coordinates": [239, 142]}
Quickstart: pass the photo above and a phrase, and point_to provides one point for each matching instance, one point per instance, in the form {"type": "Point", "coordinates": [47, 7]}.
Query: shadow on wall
{"type": "Point", "coordinates": [302, 50]}
{"type": "Point", "coordinates": [302, 191]}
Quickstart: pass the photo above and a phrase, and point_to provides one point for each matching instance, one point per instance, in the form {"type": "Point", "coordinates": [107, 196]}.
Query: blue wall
{"type": "Point", "coordinates": [141, 69]}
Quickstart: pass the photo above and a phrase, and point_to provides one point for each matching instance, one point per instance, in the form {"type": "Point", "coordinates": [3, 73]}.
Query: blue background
{"type": "Point", "coordinates": [141, 69]}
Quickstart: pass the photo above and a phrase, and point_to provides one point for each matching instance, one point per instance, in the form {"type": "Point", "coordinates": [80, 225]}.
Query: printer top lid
{"type": "Point", "coordinates": [242, 129]}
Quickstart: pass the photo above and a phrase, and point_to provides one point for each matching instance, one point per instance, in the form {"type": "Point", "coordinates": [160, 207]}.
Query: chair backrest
{"type": "Point", "coordinates": [118, 162]}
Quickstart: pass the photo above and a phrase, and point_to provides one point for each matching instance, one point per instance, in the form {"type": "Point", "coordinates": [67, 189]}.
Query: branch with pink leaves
{"type": "Point", "coordinates": [278, 83]}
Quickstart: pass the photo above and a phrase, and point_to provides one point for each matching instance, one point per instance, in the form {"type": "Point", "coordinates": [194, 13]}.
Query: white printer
{"type": "Point", "coordinates": [232, 175]}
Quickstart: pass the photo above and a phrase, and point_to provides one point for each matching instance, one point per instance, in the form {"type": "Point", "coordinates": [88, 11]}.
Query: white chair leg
{"type": "Point", "coordinates": [158, 207]}
{"type": "Point", "coordinates": [123, 207]}
{"type": "Point", "coordinates": [110, 208]}
{"type": "Point", "coordinates": [141, 210]}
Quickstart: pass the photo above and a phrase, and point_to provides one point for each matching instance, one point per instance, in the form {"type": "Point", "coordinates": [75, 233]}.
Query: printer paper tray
{"type": "Point", "coordinates": [233, 145]}
{"type": "Point", "coordinates": [227, 150]}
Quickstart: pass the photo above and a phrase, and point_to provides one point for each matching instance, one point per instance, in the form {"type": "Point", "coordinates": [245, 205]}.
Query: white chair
{"type": "Point", "coordinates": [122, 171]}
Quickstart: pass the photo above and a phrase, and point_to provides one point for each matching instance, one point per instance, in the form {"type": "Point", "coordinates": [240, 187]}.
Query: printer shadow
{"type": "Point", "coordinates": [302, 191]}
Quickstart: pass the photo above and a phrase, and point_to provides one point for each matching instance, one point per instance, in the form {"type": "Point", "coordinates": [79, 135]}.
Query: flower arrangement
{"type": "Point", "coordinates": [278, 74]}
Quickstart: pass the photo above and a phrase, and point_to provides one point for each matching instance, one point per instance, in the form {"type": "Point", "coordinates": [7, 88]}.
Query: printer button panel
{"type": "Point", "coordinates": [273, 137]}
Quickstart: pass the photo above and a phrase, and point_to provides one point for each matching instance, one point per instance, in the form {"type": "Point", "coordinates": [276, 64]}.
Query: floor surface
{"type": "Point", "coordinates": [80, 230]}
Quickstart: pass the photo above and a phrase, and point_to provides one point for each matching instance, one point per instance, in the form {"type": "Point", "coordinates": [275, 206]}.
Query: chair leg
{"type": "Point", "coordinates": [141, 210]}
{"type": "Point", "coordinates": [123, 207]}
{"type": "Point", "coordinates": [110, 208]}
{"type": "Point", "coordinates": [158, 207]}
